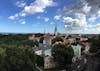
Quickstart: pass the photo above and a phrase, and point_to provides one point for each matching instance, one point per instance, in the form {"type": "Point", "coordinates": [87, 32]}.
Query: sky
{"type": "Point", "coordinates": [39, 16]}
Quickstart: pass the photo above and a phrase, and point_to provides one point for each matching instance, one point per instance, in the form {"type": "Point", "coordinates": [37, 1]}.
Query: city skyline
{"type": "Point", "coordinates": [37, 16]}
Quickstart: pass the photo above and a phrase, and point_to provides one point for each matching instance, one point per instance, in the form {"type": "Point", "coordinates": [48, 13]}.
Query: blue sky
{"type": "Point", "coordinates": [34, 16]}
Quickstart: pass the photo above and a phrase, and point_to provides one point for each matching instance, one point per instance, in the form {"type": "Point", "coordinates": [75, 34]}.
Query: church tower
{"type": "Point", "coordinates": [55, 31]}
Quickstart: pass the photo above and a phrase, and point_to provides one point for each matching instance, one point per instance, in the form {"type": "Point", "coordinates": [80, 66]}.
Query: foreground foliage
{"type": "Point", "coordinates": [16, 53]}
{"type": "Point", "coordinates": [17, 59]}
{"type": "Point", "coordinates": [62, 54]}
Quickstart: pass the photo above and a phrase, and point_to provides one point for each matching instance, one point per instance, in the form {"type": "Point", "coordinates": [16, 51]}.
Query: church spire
{"type": "Point", "coordinates": [55, 31]}
{"type": "Point", "coordinates": [44, 31]}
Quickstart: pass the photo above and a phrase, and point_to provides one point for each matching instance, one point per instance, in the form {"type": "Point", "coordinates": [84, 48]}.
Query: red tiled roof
{"type": "Point", "coordinates": [47, 36]}
{"type": "Point", "coordinates": [85, 43]}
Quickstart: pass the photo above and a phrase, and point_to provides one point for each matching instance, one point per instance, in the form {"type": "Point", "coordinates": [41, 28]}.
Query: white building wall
{"type": "Point", "coordinates": [77, 50]}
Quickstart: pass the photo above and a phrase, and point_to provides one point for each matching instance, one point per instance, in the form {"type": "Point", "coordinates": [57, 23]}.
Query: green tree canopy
{"type": "Point", "coordinates": [39, 61]}
{"type": "Point", "coordinates": [41, 40]}
{"type": "Point", "coordinates": [19, 40]}
{"type": "Point", "coordinates": [95, 45]}
{"type": "Point", "coordinates": [17, 59]}
{"type": "Point", "coordinates": [39, 34]}
{"type": "Point", "coordinates": [57, 39]}
{"type": "Point", "coordinates": [62, 54]}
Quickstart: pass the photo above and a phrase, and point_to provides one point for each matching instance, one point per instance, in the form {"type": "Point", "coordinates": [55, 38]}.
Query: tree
{"type": "Point", "coordinates": [39, 34]}
{"type": "Point", "coordinates": [94, 55]}
{"type": "Point", "coordinates": [17, 59]}
{"type": "Point", "coordinates": [32, 43]}
{"type": "Point", "coordinates": [41, 40]}
{"type": "Point", "coordinates": [62, 54]}
{"type": "Point", "coordinates": [16, 53]}
{"type": "Point", "coordinates": [39, 61]}
{"type": "Point", "coordinates": [95, 45]}
{"type": "Point", "coordinates": [56, 39]}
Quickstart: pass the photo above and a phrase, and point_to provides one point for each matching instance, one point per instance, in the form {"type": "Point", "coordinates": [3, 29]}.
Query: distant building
{"type": "Point", "coordinates": [71, 40]}
{"type": "Point", "coordinates": [77, 50]}
{"type": "Point", "coordinates": [31, 37]}
{"type": "Point", "coordinates": [34, 38]}
{"type": "Point", "coordinates": [45, 51]}
{"type": "Point", "coordinates": [86, 45]}
{"type": "Point", "coordinates": [47, 39]}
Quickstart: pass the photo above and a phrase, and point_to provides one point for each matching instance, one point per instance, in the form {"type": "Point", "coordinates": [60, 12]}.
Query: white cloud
{"type": "Point", "coordinates": [79, 25]}
{"type": "Point", "coordinates": [99, 12]}
{"type": "Point", "coordinates": [33, 9]}
{"type": "Point", "coordinates": [46, 19]}
{"type": "Point", "coordinates": [85, 13]}
{"type": "Point", "coordinates": [79, 21]}
{"type": "Point", "coordinates": [22, 14]}
{"type": "Point", "coordinates": [67, 19]}
{"type": "Point", "coordinates": [20, 3]}
{"type": "Point", "coordinates": [89, 29]}
{"type": "Point", "coordinates": [92, 19]}
{"type": "Point", "coordinates": [85, 30]}
{"type": "Point", "coordinates": [52, 23]}
{"type": "Point", "coordinates": [38, 6]}
{"type": "Point", "coordinates": [11, 17]}
{"type": "Point", "coordinates": [16, 15]}
{"type": "Point", "coordinates": [95, 5]}
{"type": "Point", "coordinates": [98, 24]}
{"type": "Point", "coordinates": [83, 6]}
{"type": "Point", "coordinates": [86, 9]}
{"type": "Point", "coordinates": [57, 17]}
{"type": "Point", "coordinates": [23, 22]}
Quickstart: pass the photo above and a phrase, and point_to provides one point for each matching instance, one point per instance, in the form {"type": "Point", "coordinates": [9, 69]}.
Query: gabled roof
{"type": "Point", "coordinates": [85, 43]}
